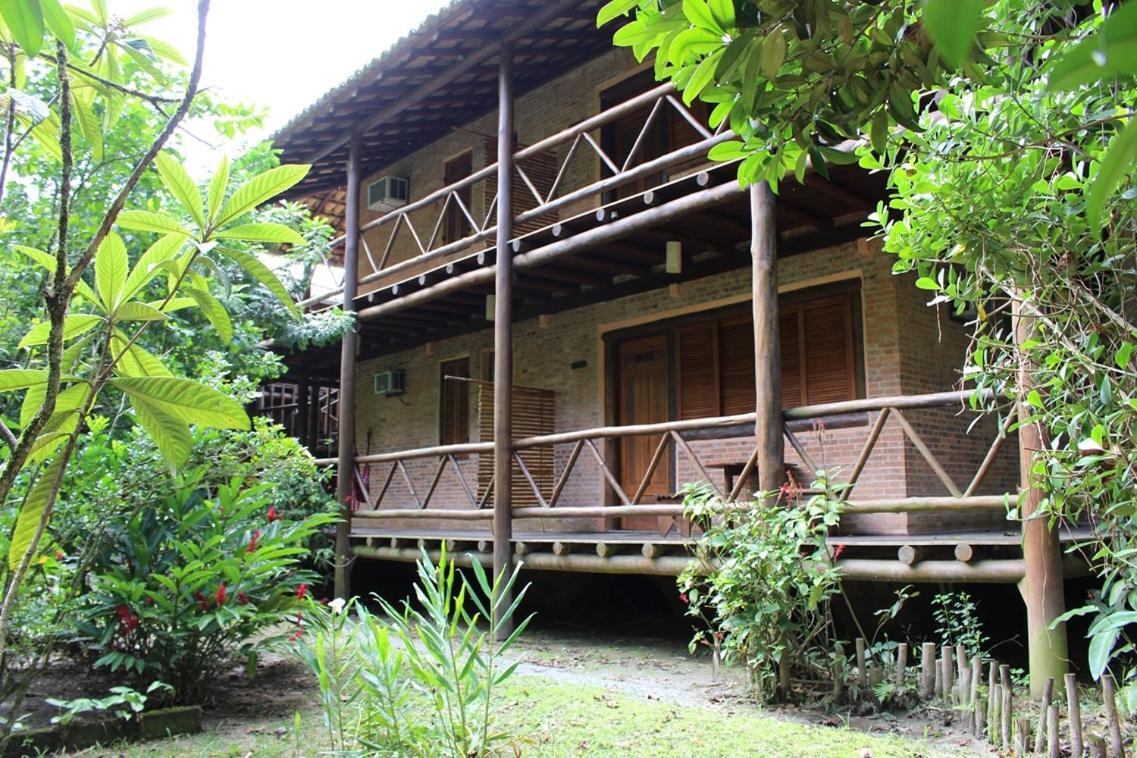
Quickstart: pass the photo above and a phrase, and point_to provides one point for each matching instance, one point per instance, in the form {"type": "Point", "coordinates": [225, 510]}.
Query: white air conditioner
{"type": "Point", "coordinates": [390, 383]}
{"type": "Point", "coordinates": [388, 193]}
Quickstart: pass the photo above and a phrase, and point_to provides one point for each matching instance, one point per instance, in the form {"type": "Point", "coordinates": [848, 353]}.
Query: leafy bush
{"type": "Point", "coordinates": [761, 583]}
{"type": "Point", "coordinates": [189, 582]}
{"type": "Point", "coordinates": [957, 621]}
{"type": "Point", "coordinates": [434, 652]}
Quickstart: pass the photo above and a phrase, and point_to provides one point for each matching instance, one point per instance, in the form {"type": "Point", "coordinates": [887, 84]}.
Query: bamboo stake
{"type": "Point", "coordinates": [939, 690]}
{"type": "Point", "coordinates": [995, 723]}
{"type": "Point", "coordinates": [927, 670]}
{"type": "Point", "coordinates": [1007, 714]}
{"type": "Point", "coordinates": [1074, 713]}
{"type": "Point", "coordinates": [992, 720]}
{"type": "Point", "coordinates": [1022, 736]}
{"type": "Point", "coordinates": [1097, 746]}
{"type": "Point", "coordinates": [1052, 746]}
{"type": "Point", "coordinates": [961, 671]}
{"type": "Point", "coordinates": [975, 677]}
{"type": "Point", "coordinates": [948, 671]}
{"type": "Point", "coordinates": [862, 672]}
{"type": "Point", "coordinates": [838, 673]}
{"type": "Point", "coordinates": [1116, 745]}
{"type": "Point", "coordinates": [980, 718]}
{"type": "Point", "coordinates": [1047, 694]}
{"type": "Point", "coordinates": [901, 664]}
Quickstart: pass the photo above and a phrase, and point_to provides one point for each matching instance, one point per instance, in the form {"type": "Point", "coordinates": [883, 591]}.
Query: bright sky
{"type": "Point", "coordinates": [281, 55]}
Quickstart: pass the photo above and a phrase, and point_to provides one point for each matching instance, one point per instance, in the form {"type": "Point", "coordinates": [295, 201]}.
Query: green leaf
{"type": "Point", "coordinates": [1112, 50]}
{"type": "Point", "coordinates": [59, 22]}
{"type": "Point", "coordinates": [699, 14]}
{"type": "Point", "coordinates": [273, 234]}
{"type": "Point", "coordinates": [613, 9]}
{"type": "Point", "coordinates": [145, 16]}
{"type": "Point", "coordinates": [111, 267]}
{"type": "Point", "coordinates": [703, 75]}
{"type": "Point", "coordinates": [136, 311]}
{"type": "Point", "coordinates": [217, 186]}
{"type": "Point", "coordinates": [185, 400]}
{"type": "Point", "coordinates": [1101, 646]}
{"type": "Point", "coordinates": [723, 12]}
{"type": "Point", "coordinates": [46, 133]}
{"type": "Point", "coordinates": [260, 188]}
{"type": "Point", "coordinates": [149, 221]}
{"type": "Point", "coordinates": [82, 107]}
{"type": "Point", "coordinates": [178, 182]}
{"type": "Point", "coordinates": [12, 379]}
{"type": "Point", "coordinates": [214, 311]}
{"type": "Point", "coordinates": [25, 21]}
{"type": "Point", "coordinates": [952, 25]}
{"type": "Point", "coordinates": [170, 433]}
{"type": "Point", "coordinates": [150, 264]}
{"type": "Point", "coordinates": [1115, 165]}
{"type": "Point", "coordinates": [31, 512]}
{"type": "Point", "coordinates": [73, 326]}
{"type": "Point", "coordinates": [132, 360]}
{"type": "Point", "coordinates": [773, 55]}
{"type": "Point", "coordinates": [262, 274]}
{"type": "Point", "coordinates": [39, 256]}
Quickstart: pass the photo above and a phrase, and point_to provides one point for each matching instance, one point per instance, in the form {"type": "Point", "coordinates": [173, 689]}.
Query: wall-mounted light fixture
{"type": "Point", "coordinates": [674, 263]}
{"type": "Point", "coordinates": [491, 303]}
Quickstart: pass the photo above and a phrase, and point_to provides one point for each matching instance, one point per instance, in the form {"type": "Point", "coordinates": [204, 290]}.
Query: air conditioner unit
{"type": "Point", "coordinates": [388, 193]}
{"type": "Point", "coordinates": [390, 383]}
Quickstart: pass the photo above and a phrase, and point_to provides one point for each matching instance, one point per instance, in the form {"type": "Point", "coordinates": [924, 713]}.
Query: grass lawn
{"type": "Point", "coordinates": [557, 719]}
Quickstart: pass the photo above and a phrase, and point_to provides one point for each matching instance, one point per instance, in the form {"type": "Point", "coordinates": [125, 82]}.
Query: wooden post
{"type": "Point", "coordinates": [345, 411]}
{"type": "Point", "coordinates": [1042, 587]}
{"type": "Point", "coordinates": [862, 666]}
{"type": "Point", "coordinates": [503, 334]}
{"type": "Point", "coordinates": [901, 664]}
{"type": "Point", "coordinates": [1053, 747]}
{"type": "Point", "coordinates": [767, 361]}
{"type": "Point", "coordinates": [927, 670]}
{"type": "Point", "coordinates": [1116, 744]}
{"type": "Point", "coordinates": [1040, 736]}
{"type": "Point", "coordinates": [1074, 714]}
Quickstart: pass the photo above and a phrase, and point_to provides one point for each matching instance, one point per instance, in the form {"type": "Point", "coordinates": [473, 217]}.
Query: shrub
{"type": "Point", "coordinates": [761, 584]}
{"type": "Point", "coordinates": [188, 583]}
{"type": "Point", "coordinates": [434, 653]}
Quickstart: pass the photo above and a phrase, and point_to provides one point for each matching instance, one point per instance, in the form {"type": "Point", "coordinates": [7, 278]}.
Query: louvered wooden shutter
{"type": "Point", "coordinates": [789, 346]}
{"type": "Point", "coordinates": [454, 403]}
{"type": "Point", "coordinates": [532, 415]}
{"type": "Point", "coordinates": [736, 366]}
{"type": "Point", "coordinates": [541, 170]}
{"type": "Point", "coordinates": [828, 331]}
{"type": "Point", "coordinates": [698, 387]}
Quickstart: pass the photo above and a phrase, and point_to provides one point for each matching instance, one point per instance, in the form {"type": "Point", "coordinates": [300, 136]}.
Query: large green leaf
{"type": "Point", "coordinates": [1118, 160]}
{"type": "Point", "coordinates": [952, 25]}
{"type": "Point", "coordinates": [21, 378]}
{"type": "Point", "coordinates": [614, 9]}
{"type": "Point", "coordinates": [111, 267]}
{"type": "Point", "coordinates": [214, 311]}
{"type": "Point", "coordinates": [217, 186]}
{"type": "Point", "coordinates": [46, 260]}
{"type": "Point", "coordinates": [46, 133]}
{"type": "Point", "coordinates": [262, 274]}
{"type": "Point", "coordinates": [73, 326]}
{"type": "Point", "coordinates": [31, 512]}
{"type": "Point", "coordinates": [257, 190]}
{"type": "Point", "coordinates": [136, 311]}
{"type": "Point", "coordinates": [1112, 50]}
{"type": "Point", "coordinates": [273, 234]}
{"type": "Point", "coordinates": [170, 434]}
{"type": "Point", "coordinates": [83, 108]}
{"type": "Point", "coordinates": [25, 20]}
{"type": "Point", "coordinates": [149, 221]}
{"type": "Point", "coordinates": [132, 360]}
{"type": "Point", "coordinates": [150, 264]}
{"type": "Point", "coordinates": [177, 180]}
{"type": "Point", "coordinates": [58, 21]}
{"type": "Point", "coordinates": [186, 400]}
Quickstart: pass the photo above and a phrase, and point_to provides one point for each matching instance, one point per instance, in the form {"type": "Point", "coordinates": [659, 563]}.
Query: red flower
{"type": "Point", "coordinates": [683, 598]}
{"type": "Point", "coordinates": [253, 541]}
{"type": "Point", "coordinates": [302, 591]}
{"type": "Point", "coordinates": [128, 620]}
{"type": "Point", "coordinates": [296, 635]}
{"type": "Point", "coordinates": [59, 555]}
{"type": "Point", "coordinates": [272, 515]}
{"type": "Point", "coordinates": [242, 598]}
{"type": "Point", "coordinates": [202, 603]}
{"type": "Point", "coordinates": [221, 595]}
{"type": "Point", "coordinates": [837, 551]}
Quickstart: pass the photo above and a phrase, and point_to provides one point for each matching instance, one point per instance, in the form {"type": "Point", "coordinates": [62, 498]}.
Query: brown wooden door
{"type": "Point", "coordinates": [643, 400]}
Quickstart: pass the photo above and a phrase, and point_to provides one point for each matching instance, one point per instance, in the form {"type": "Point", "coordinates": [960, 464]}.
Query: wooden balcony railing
{"type": "Point", "coordinates": [674, 438]}
{"type": "Point", "coordinates": [431, 248]}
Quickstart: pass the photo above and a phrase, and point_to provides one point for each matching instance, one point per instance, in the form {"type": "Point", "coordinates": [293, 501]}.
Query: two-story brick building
{"type": "Point", "coordinates": [645, 320]}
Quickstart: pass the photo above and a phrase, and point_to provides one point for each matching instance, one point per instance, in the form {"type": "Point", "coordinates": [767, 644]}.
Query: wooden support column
{"type": "Point", "coordinates": [767, 361]}
{"type": "Point", "coordinates": [1042, 586]}
{"type": "Point", "coordinates": [300, 413]}
{"type": "Point", "coordinates": [345, 412]}
{"type": "Point", "coordinates": [503, 332]}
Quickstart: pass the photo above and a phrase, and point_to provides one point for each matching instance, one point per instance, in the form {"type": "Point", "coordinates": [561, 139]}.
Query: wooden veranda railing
{"type": "Point", "coordinates": [542, 200]}
{"type": "Point", "coordinates": [673, 438]}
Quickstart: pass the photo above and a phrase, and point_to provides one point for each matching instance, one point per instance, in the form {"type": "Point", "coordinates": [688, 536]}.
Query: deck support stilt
{"type": "Point", "coordinates": [1043, 583]}
{"type": "Point", "coordinates": [767, 373]}
{"type": "Point", "coordinates": [503, 335]}
{"type": "Point", "coordinates": [345, 411]}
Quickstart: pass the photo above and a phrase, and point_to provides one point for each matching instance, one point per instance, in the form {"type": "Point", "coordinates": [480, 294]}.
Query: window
{"type": "Point", "coordinates": [819, 357]}
{"type": "Point", "coordinates": [456, 226]}
{"type": "Point", "coordinates": [454, 402]}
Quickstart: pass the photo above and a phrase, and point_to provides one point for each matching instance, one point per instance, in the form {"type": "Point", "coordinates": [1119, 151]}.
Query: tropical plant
{"type": "Point", "coordinates": [97, 304]}
{"type": "Point", "coordinates": [192, 582]}
{"type": "Point", "coordinates": [957, 621]}
{"type": "Point", "coordinates": [762, 583]}
{"type": "Point", "coordinates": [377, 674]}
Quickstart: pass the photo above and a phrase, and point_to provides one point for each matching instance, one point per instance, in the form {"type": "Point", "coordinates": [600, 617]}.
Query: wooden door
{"type": "Point", "coordinates": [643, 399]}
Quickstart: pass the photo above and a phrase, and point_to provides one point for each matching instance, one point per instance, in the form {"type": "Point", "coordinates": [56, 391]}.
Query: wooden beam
{"type": "Point", "coordinates": [503, 339]}
{"type": "Point", "coordinates": [345, 412]}
{"type": "Point", "coordinates": [768, 431]}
